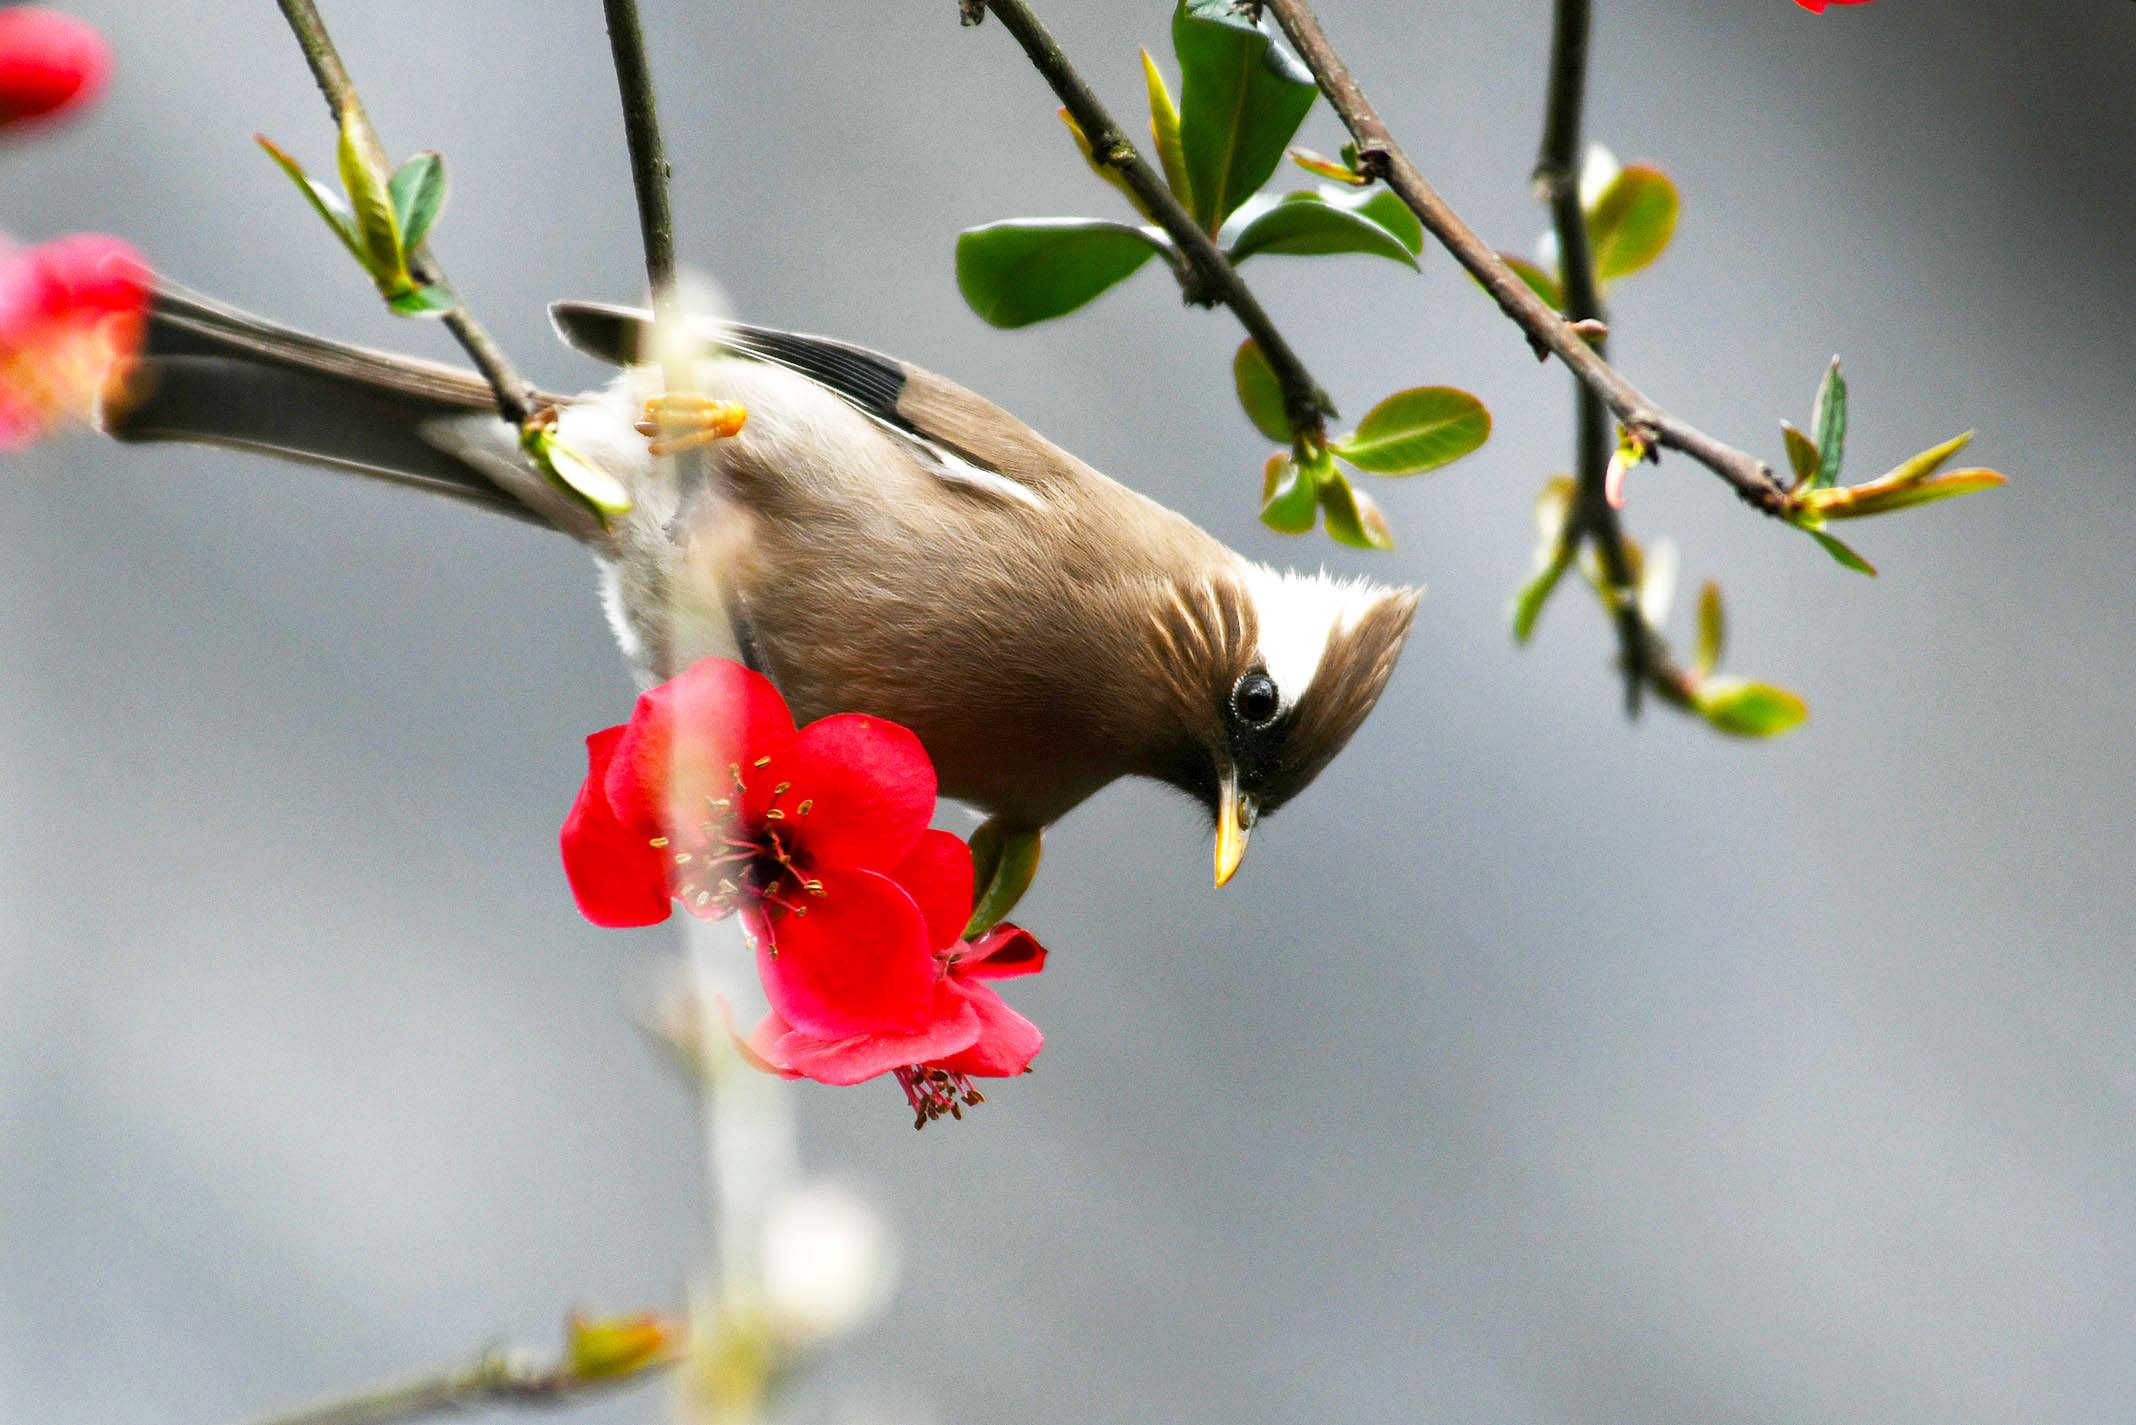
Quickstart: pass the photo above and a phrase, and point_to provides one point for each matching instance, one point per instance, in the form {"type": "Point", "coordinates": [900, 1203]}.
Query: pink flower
{"type": "Point", "coordinates": [50, 64]}
{"type": "Point", "coordinates": [1818, 6]}
{"type": "Point", "coordinates": [817, 837]}
{"type": "Point", "coordinates": [970, 1034]}
{"type": "Point", "coordinates": [72, 315]}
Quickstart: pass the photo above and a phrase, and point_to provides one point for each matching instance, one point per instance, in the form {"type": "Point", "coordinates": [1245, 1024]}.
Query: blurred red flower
{"type": "Point", "coordinates": [49, 64]}
{"type": "Point", "coordinates": [1818, 6]}
{"type": "Point", "coordinates": [817, 837]}
{"type": "Point", "coordinates": [971, 1034]}
{"type": "Point", "coordinates": [72, 315]}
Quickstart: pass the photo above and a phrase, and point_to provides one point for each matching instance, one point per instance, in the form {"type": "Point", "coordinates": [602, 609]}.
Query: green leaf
{"type": "Point", "coordinates": [1828, 419]}
{"type": "Point", "coordinates": [1879, 499]}
{"type": "Point", "coordinates": [1632, 222]}
{"type": "Point", "coordinates": [574, 473]}
{"type": "Point", "coordinates": [1528, 603]}
{"type": "Point", "coordinates": [1541, 283]}
{"type": "Point", "coordinates": [1801, 454]}
{"type": "Point", "coordinates": [1918, 468]}
{"type": "Point", "coordinates": [418, 190]}
{"type": "Point", "coordinates": [1745, 709]}
{"type": "Point", "coordinates": [1025, 270]}
{"type": "Point", "coordinates": [1416, 430]}
{"type": "Point", "coordinates": [1004, 861]}
{"type": "Point", "coordinates": [1260, 393]}
{"type": "Point", "coordinates": [1106, 171]}
{"type": "Point", "coordinates": [1322, 166]}
{"type": "Point", "coordinates": [371, 199]}
{"type": "Point", "coordinates": [1289, 499]}
{"type": "Point", "coordinates": [1306, 224]}
{"type": "Point", "coordinates": [433, 299]}
{"type": "Point", "coordinates": [1241, 98]}
{"type": "Point", "coordinates": [1712, 629]}
{"type": "Point", "coordinates": [1385, 207]}
{"type": "Point", "coordinates": [1840, 551]}
{"type": "Point", "coordinates": [1353, 518]}
{"type": "Point", "coordinates": [1164, 133]}
{"type": "Point", "coordinates": [324, 201]}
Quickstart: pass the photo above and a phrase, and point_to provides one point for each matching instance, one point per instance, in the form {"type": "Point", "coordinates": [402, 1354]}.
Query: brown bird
{"type": "Point", "coordinates": [874, 538]}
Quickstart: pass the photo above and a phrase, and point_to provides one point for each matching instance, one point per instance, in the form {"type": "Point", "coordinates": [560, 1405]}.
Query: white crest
{"type": "Point", "coordinates": [1298, 616]}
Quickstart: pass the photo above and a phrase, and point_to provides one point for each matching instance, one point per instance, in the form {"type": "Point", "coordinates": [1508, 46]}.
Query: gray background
{"type": "Point", "coordinates": [1538, 1067]}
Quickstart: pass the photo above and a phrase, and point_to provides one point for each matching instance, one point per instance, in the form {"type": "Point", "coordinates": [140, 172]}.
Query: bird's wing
{"type": "Point", "coordinates": [960, 435]}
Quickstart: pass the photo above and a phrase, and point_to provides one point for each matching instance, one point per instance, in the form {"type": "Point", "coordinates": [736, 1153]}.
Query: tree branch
{"type": "Point", "coordinates": [649, 171]}
{"type": "Point", "coordinates": [1210, 276]}
{"type": "Point", "coordinates": [516, 400]}
{"type": "Point", "coordinates": [1381, 156]}
{"type": "Point", "coordinates": [500, 1376]}
{"type": "Point", "coordinates": [1557, 180]}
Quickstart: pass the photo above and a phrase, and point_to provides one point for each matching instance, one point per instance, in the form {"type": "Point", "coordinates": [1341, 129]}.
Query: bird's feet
{"type": "Point", "coordinates": [677, 421]}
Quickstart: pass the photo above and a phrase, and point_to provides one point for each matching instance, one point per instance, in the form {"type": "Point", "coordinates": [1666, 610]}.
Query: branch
{"type": "Point", "coordinates": [1557, 179]}
{"type": "Point", "coordinates": [500, 1376]}
{"type": "Point", "coordinates": [1381, 156]}
{"type": "Point", "coordinates": [516, 400]}
{"type": "Point", "coordinates": [1210, 278]}
{"type": "Point", "coordinates": [649, 170]}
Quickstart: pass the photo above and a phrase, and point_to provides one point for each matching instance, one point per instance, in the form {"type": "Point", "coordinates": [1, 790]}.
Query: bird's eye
{"type": "Point", "coordinates": [1254, 699]}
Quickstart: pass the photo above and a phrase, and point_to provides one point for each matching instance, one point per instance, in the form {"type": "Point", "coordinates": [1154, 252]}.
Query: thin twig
{"type": "Point", "coordinates": [1557, 180]}
{"type": "Point", "coordinates": [500, 1376]}
{"type": "Point", "coordinates": [649, 171]}
{"type": "Point", "coordinates": [1381, 156]}
{"type": "Point", "coordinates": [516, 399]}
{"type": "Point", "coordinates": [1210, 277]}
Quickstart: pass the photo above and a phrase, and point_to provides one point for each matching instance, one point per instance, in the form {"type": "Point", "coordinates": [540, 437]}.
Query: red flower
{"type": "Point", "coordinates": [49, 63]}
{"type": "Point", "coordinates": [970, 1034]}
{"type": "Point", "coordinates": [818, 837]}
{"type": "Point", "coordinates": [1818, 6]}
{"type": "Point", "coordinates": [72, 315]}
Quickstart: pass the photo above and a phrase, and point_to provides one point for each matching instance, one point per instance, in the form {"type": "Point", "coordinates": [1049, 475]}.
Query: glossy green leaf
{"type": "Point", "coordinates": [1416, 430]}
{"type": "Point", "coordinates": [1712, 629]}
{"type": "Point", "coordinates": [1385, 207]}
{"type": "Point", "coordinates": [371, 199]}
{"type": "Point", "coordinates": [1306, 224]}
{"type": "Point", "coordinates": [1632, 222]}
{"type": "Point", "coordinates": [1745, 709]}
{"type": "Point", "coordinates": [1528, 603]}
{"type": "Point", "coordinates": [418, 190]}
{"type": "Point", "coordinates": [1241, 98]}
{"type": "Point", "coordinates": [1260, 393]}
{"type": "Point", "coordinates": [1880, 498]}
{"type": "Point", "coordinates": [1828, 423]}
{"type": "Point", "coordinates": [1353, 517]}
{"type": "Point", "coordinates": [1164, 133]}
{"type": "Point", "coordinates": [433, 299]}
{"type": "Point", "coordinates": [1025, 270]}
{"type": "Point", "coordinates": [1801, 455]}
{"type": "Point", "coordinates": [328, 204]}
{"type": "Point", "coordinates": [1322, 166]}
{"type": "Point", "coordinates": [1919, 467]}
{"type": "Point", "coordinates": [1289, 501]}
{"type": "Point", "coordinates": [1842, 552]}
{"type": "Point", "coordinates": [1004, 862]}
{"type": "Point", "coordinates": [1541, 283]}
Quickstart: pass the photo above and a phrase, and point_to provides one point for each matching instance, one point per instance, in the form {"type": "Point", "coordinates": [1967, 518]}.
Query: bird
{"type": "Point", "coordinates": [874, 537]}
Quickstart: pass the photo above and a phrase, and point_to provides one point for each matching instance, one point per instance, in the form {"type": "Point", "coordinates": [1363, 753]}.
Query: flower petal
{"type": "Point", "coordinates": [1007, 1042]}
{"type": "Point", "coordinates": [954, 1028]}
{"type": "Point", "coordinates": [49, 63]}
{"type": "Point", "coordinates": [871, 787]}
{"type": "Point", "coordinates": [760, 1051]}
{"type": "Point", "coordinates": [616, 877]}
{"type": "Point", "coordinates": [1004, 951]}
{"type": "Point", "coordinates": [937, 874]}
{"type": "Point", "coordinates": [686, 737]}
{"type": "Point", "coordinates": [857, 962]}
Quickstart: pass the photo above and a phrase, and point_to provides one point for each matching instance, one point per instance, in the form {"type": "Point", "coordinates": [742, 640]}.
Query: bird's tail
{"type": "Point", "coordinates": [211, 374]}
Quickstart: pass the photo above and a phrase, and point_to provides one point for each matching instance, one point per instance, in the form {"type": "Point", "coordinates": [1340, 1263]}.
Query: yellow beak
{"type": "Point", "coordinates": [1234, 822]}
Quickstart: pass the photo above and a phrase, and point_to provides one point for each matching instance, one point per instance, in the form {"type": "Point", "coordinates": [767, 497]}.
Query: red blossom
{"type": "Point", "coordinates": [49, 64]}
{"type": "Point", "coordinates": [970, 1034]}
{"type": "Point", "coordinates": [72, 315]}
{"type": "Point", "coordinates": [818, 837]}
{"type": "Point", "coordinates": [1818, 6]}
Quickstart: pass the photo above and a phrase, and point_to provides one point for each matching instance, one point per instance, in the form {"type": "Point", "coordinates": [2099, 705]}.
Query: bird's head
{"type": "Point", "coordinates": [1266, 676]}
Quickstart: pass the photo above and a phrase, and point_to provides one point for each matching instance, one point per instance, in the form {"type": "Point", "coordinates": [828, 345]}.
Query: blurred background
{"type": "Point", "coordinates": [1538, 1067]}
